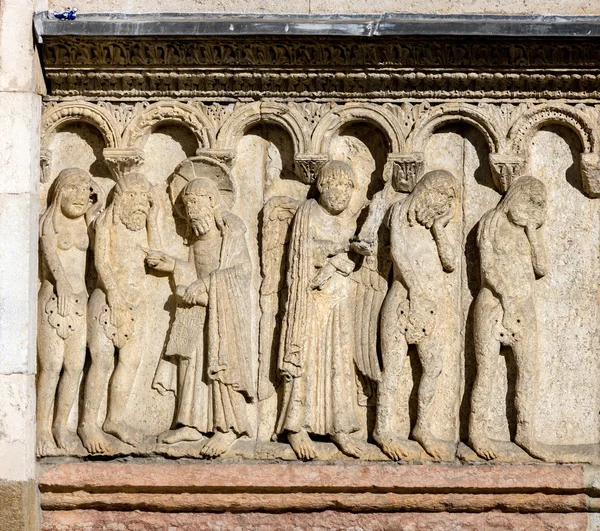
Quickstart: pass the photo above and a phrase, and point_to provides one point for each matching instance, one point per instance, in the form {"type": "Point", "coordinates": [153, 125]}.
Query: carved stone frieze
{"type": "Point", "coordinates": [317, 278]}
{"type": "Point", "coordinates": [413, 67]}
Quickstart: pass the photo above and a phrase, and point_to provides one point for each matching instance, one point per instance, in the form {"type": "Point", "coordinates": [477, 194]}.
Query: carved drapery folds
{"type": "Point", "coordinates": [293, 278]}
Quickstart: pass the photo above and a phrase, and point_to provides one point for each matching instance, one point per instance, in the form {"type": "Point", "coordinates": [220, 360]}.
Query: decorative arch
{"type": "Point", "coordinates": [138, 130]}
{"type": "Point", "coordinates": [331, 123]}
{"type": "Point", "coordinates": [247, 116]}
{"type": "Point", "coordinates": [80, 111]}
{"type": "Point", "coordinates": [523, 130]}
{"type": "Point", "coordinates": [445, 114]}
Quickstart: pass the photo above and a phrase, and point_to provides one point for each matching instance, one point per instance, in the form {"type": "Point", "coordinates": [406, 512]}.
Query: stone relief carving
{"type": "Point", "coordinates": [207, 358]}
{"type": "Point", "coordinates": [64, 242]}
{"type": "Point", "coordinates": [118, 314]}
{"type": "Point", "coordinates": [413, 312]}
{"type": "Point", "coordinates": [313, 294]}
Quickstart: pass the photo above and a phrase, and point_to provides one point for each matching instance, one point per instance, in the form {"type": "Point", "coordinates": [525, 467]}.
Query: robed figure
{"type": "Point", "coordinates": [207, 358]}
{"type": "Point", "coordinates": [317, 343]}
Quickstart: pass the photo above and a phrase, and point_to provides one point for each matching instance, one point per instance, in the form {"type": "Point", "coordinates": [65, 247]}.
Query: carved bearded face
{"type": "Point", "coordinates": [200, 212]}
{"type": "Point", "coordinates": [75, 197]}
{"type": "Point", "coordinates": [134, 205]}
{"type": "Point", "coordinates": [335, 191]}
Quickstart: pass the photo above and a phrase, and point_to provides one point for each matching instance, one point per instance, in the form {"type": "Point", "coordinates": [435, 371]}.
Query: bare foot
{"type": "Point", "coordinates": [94, 440]}
{"type": "Point", "coordinates": [394, 447]}
{"type": "Point", "coordinates": [218, 444]}
{"type": "Point", "coordinates": [302, 444]}
{"type": "Point", "coordinates": [530, 445]}
{"type": "Point", "coordinates": [66, 439]}
{"type": "Point", "coordinates": [437, 448]}
{"type": "Point", "coordinates": [121, 431]}
{"type": "Point", "coordinates": [186, 433]}
{"type": "Point", "coordinates": [348, 444]}
{"type": "Point", "coordinates": [45, 444]}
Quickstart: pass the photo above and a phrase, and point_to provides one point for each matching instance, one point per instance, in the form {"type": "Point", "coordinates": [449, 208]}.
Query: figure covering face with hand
{"type": "Point", "coordinates": [317, 339]}
{"type": "Point", "coordinates": [207, 360]}
{"type": "Point", "coordinates": [512, 255]}
{"type": "Point", "coordinates": [414, 310]}
{"type": "Point", "coordinates": [118, 312]}
{"type": "Point", "coordinates": [61, 342]}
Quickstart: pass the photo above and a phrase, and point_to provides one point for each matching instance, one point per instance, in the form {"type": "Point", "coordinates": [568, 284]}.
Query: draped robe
{"type": "Point", "coordinates": [317, 342]}
{"type": "Point", "coordinates": [207, 359]}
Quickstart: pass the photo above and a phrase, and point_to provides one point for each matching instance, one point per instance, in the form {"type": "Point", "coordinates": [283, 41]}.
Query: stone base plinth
{"type": "Point", "coordinates": [206, 495]}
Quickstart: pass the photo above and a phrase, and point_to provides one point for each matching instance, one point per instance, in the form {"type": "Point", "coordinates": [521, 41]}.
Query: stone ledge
{"type": "Point", "coordinates": [325, 521]}
{"type": "Point", "coordinates": [387, 24]}
{"type": "Point", "coordinates": [243, 488]}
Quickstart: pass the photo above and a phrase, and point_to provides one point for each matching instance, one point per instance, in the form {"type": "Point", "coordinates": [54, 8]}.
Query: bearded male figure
{"type": "Point", "coordinates": [207, 360]}
{"type": "Point", "coordinates": [117, 311]}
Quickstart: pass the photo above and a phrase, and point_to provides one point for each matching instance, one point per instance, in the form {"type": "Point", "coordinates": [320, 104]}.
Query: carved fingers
{"type": "Point", "coordinates": [64, 291]}
{"type": "Point", "coordinates": [159, 260]}
{"type": "Point", "coordinates": [321, 278]}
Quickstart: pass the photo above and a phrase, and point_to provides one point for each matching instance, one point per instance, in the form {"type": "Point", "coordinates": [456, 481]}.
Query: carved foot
{"type": "Point", "coordinates": [348, 444]}
{"type": "Point", "coordinates": [303, 446]}
{"type": "Point", "coordinates": [123, 432]}
{"type": "Point", "coordinates": [533, 448]}
{"type": "Point", "coordinates": [66, 439]}
{"type": "Point", "coordinates": [394, 447]}
{"type": "Point", "coordinates": [437, 448]}
{"type": "Point", "coordinates": [179, 435]}
{"type": "Point", "coordinates": [218, 444]}
{"type": "Point", "coordinates": [492, 449]}
{"type": "Point", "coordinates": [95, 440]}
{"type": "Point", "coordinates": [45, 444]}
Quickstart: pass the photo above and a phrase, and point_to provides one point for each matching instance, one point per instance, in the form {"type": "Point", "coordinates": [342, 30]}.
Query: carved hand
{"type": "Point", "coordinates": [196, 293]}
{"type": "Point", "coordinates": [363, 247]}
{"type": "Point", "coordinates": [64, 291]}
{"type": "Point", "coordinates": [119, 309]}
{"type": "Point", "coordinates": [160, 261]}
{"type": "Point", "coordinates": [324, 274]}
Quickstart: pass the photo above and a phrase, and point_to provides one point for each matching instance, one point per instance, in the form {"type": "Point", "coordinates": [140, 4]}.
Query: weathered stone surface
{"type": "Point", "coordinates": [18, 510]}
{"type": "Point", "coordinates": [328, 520]}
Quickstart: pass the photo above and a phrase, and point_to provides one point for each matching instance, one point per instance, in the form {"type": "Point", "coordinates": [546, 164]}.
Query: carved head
{"type": "Point", "coordinates": [335, 184]}
{"type": "Point", "coordinates": [202, 200]}
{"type": "Point", "coordinates": [133, 199]}
{"type": "Point", "coordinates": [434, 197]}
{"type": "Point", "coordinates": [525, 202]}
{"type": "Point", "coordinates": [73, 192]}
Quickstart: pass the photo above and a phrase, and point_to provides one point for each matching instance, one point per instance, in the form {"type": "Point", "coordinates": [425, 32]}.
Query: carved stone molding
{"type": "Point", "coordinates": [168, 112]}
{"type": "Point", "coordinates": [80, 111]}
{"type": "Point", "coordinates": [471, 68]}
{"type": "Point", "coordinates": [506, 168]}
{"type": "Point", "coordinates": [404, 170]}
{"type": "Point", "coordinates": [121, 161]}
{"type": "Point", "coordinates": [308, 166]}
{"type": "Point", "coordinates": [590, 173]}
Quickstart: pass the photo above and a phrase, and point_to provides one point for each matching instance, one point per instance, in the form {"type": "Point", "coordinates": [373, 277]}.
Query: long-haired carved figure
{"type": "Point", "coordinates": [61, 342]}
{"type": "Point", "coordinates": [512, 256]}
{"type": "Point", "coordinates": [413, 312]}
{"type": "Point", "coordinates": [317, 339]}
